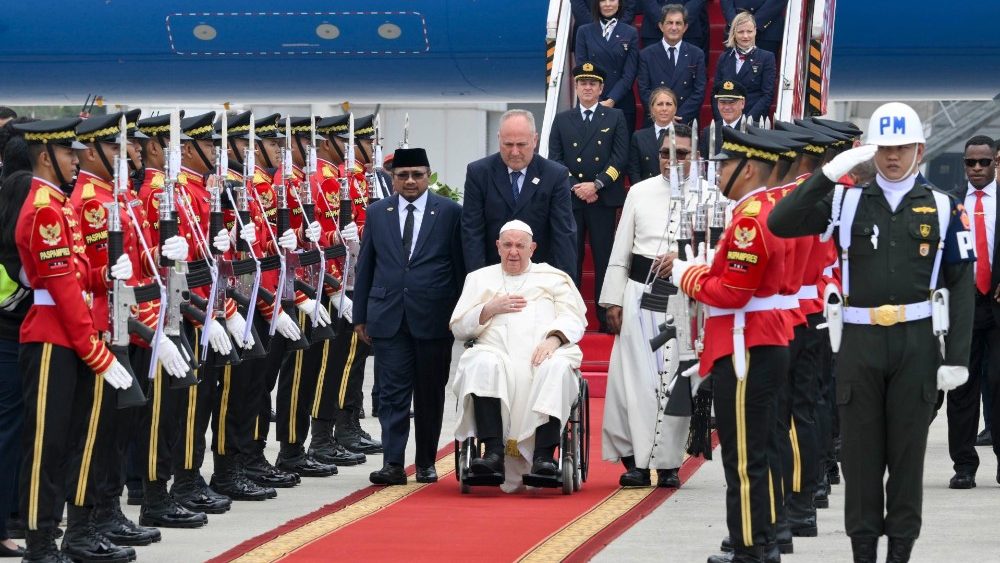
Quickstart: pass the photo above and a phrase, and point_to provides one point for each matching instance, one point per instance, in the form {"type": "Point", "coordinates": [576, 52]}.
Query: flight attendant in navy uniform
{"type": "Point", "coordinates": [612, 45]}
{"type": "Point", "coordinates": [906, 241]}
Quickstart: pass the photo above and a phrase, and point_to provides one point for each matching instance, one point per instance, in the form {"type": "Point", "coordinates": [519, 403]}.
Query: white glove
{"type": "Point", "coordinates": [288, 327]}
{"type": "Point", "coordinates": [236, 324]}
{"type": "Point", "coordinates": [680, 266]}
{"type": "Point", "coordinates": [171, 358]}
{"type": "Point", "coordinates": [175, 248]}
{"type": "Point", "coordinates": [347, 312]}
{"type": "Point", "coordinates": [288, 241]}
{"type": "Point", "coordinates": [709, 256]}
{"type": "Point", "coordinates": [118, 376]}
{"type": "Point", "coordinates": [847, 160]}
{"type": "Point", "coordinates": [309, 307]}
{"type": "Point", "coordinates": [122, 270]}
{"type": "Point", "coordinates": [217, 338]}
{"type": "Point", "coordinates": [351, 238]}
{"type": "Point", "coordinates": [221, 241]}
{"type": "Point", "coordinates": [950, 377]}
{"type": "Point", "coordinates": [698, 258]}
{"type": "Point", "coordinates": [249, 233]}
{"type": "Point", "coordinates": [313, 231]}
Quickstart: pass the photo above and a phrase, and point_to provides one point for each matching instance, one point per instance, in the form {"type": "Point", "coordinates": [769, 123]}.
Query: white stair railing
{"type": "Point", "coordinates": [559, 23]}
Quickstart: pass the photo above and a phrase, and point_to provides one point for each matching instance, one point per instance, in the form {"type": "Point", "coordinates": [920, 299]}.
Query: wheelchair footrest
{"type": "Point", "coordinates": [546, 481]}
{"type": "Point", "coordinates": [483, 480]}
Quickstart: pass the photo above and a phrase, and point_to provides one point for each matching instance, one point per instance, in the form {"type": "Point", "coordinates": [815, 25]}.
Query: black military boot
{"type": "Point", "coordinates": [634, 476]}
{"type": "Point", "coordinates": [191, 492]}
{"type": "Point", "coordinates": [865, 549]}
{"type": "Point", "coordinates": [899, 550]}
{"type": "Point", "coordinates": [821, 498]}
{"type": "Point", "coordinates": [260, 471]}
{"type": "Point", "coordinates": [348, 434]}
{"type": "Point", "coordinates": [160, 509]}
{"type": "Point", "coordinates": [40, 547]}
{"type": "Point", "coordinates": [293, 458]}
{"type": "Point", "coordinates": [833, 473]}
{"type": "Point", "coordinates": [327, 450]}
{"type": "Point", "coordinates": [801, 514]}
{"type": "Point", "coordinates": [108, 519]}
{"type": "Point", "coordinates": [357, 425]}
{"type": "Point", "coordinates": [229, 480]}
{"type": "Point", "coordinates": [742, 554]}
{"type": "Point", "coordinates": [83, 543]}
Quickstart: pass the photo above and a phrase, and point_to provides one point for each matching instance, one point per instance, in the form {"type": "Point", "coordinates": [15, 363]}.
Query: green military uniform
{"type": "Point", "coordinates": [886, 369]}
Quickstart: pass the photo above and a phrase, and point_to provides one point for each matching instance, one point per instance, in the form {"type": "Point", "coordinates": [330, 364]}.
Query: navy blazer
{"type": "Point", "coordinates": [617, 57]}
{"type": "Point", "coordinates": [425, 289]}
{"type": "Point", "coordinates": [769, 15]}
{"type": "Point", "coordinates": [758, 75]}
{"type": "Point", "coordinates": [687, 79]}
{"type": "Point", "coordinates": [595, 151]}
{"type": "Point", "coordinates": [544, 204]}
{"type": "Point", "coordinates": [643, 155]}
{"type": "Point", "coordinates": [697, 31]}
{"type": "Point", "coordinates": [582, 14]}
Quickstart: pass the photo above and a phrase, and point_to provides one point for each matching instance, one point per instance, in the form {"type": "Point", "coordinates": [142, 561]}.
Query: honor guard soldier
{"type": "Point", "coordinates": [64, 361]}
{"type": "Point", "coordinates": [745, 339]}
{"type": "Point", "coordinates": [906, 256]}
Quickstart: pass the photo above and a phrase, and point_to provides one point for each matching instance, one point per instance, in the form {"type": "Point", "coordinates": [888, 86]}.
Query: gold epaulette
{"type": "Point", "coordinates": [88, 191]}
{"type": "Point", "coordinates": [42, 198]}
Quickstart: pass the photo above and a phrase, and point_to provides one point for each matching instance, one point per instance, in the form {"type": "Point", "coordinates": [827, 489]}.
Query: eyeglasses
{"type": "Point", "coordinates": [984, 162]}
{"type": "Point", "coordinates": [403, 176]}
{"type": "Point", "coordinates": [681, 153]}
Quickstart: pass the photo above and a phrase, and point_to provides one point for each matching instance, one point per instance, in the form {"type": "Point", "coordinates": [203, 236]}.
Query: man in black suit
{"type": "Point", "coordinates": [963, 401]}
{"type": "Point", "coordinates": [591, 140]}
{"type": "Point", "coordinates": [730, 96]}
{"type": "Point", "coordinates": [516, 183]}
{"type": "Point", "coordinates": [697, 30]}
{"type": "Point", "coordinates": [408, 280]}
{"type": "Point", "coordinates": [675, 64]}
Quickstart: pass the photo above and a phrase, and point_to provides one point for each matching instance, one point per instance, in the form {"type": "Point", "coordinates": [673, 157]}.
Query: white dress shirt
{"type": "Point", "coordinates": [520, 180]}
{"type": "Point", "coordinates": [989, 210]}
{"type": "Point", "coordinates": [677, 49]}
{"type": "Point", "coordinates": [418, 216]}
{"type": "Point", "coordinates": [592, 109]}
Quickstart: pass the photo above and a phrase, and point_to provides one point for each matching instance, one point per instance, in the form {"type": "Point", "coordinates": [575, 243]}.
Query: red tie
{"type": "Point", "coordinates": [982, 250]}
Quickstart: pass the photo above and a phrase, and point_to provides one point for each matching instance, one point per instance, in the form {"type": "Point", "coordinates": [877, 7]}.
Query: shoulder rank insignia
{"type": "Point", "coordinates": [750, 208]}
{"type": "Point", "coordinates": [42, 197]}
{"type": "Point", "coordinates": [88, 190]}
{"type": "Point", "coordinates": [924, 210]}
{"type": "Point", "coordinates": [743, 237]}
{"type": "Point", "coordinates": [328, 172]}
{"type": "Point", "coordinates": [157, 181]}
{"type": "Point", "coordinates": [182, 179]}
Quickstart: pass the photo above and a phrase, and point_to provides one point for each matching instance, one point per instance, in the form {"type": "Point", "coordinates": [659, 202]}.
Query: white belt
{"type": "Point", "coordinates": [887, 315]}
{"type": "Point", "coordinates": [807, 292]}
{"type": "Point", "coordinates": [772, 303]}
{"type": "Point", "coordinates": [43, 297]}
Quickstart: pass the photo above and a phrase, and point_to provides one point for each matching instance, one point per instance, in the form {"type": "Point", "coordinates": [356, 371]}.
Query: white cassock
{"type": "Point", "coordinates": [634, 423]}
{"type": "Point", "coordinates": [499, 364]}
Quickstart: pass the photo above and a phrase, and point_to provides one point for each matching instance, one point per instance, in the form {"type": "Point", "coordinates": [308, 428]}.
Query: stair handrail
{"type": "Point", "coordinates": [558, 24]}
{"type": "Point", "coordinates": [791, 78]}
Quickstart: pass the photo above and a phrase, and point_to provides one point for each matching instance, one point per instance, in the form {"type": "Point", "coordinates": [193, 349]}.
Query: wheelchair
{"type": "Point", "coordinates": [572, 456]}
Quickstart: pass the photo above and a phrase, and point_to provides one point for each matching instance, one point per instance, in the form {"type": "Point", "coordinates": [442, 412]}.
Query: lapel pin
{"type": "Point", "coordinates": [535, 181]}
{"type": "Point", "coordinates": [432, 213]}
{"type": "Point", "coordinates": [389, 208]}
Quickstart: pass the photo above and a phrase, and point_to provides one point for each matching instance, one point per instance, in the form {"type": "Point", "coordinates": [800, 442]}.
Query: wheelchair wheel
{"type": "Point", "coordinates": [584, 458]}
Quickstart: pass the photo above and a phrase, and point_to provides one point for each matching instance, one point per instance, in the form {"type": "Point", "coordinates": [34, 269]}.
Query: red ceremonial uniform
{"type": "Point", "coordinates": [749, 263]}
{"type": "Point", "coordinates": [52, 250]}
{"type": "Point", "coordinates": [796, 256]}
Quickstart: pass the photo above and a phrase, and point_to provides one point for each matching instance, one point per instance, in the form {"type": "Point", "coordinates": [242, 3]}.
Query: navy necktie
{"type": "Point", "coordinates": [408, 230]}
{"type": "Point", "coordinates": [670, 56]}
{"type": "Point", "coordinates": [514, 188]}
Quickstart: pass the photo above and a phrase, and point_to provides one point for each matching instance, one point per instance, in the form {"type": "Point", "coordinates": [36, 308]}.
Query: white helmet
{"type": "Point", "coordinates": [894, 124]}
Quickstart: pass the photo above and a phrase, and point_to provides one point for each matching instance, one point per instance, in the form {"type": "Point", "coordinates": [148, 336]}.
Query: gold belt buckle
{"type": "Point", "coordinates": [886, 315]}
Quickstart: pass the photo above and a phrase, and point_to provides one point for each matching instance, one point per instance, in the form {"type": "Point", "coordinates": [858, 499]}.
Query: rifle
{"type": "Point", "coordinates": [376, 183]}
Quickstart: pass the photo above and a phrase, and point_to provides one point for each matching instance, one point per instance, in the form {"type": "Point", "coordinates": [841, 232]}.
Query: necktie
{"type": "Point", "coordinates": [670, 55]}
{"type": "Point", "coordinates": [408, 231]}
{"type": "Point", "coordinates": [514, 189]}
{"type": "Point", "coordinates": [660, 136]}
{"type": "Point", "coordinates": [983, 273]}
{"type": "Point", "coordinates": [587, 114]}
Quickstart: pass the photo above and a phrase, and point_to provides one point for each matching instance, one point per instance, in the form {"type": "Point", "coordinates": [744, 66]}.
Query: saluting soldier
{"type": "Point", "coordinates": [591, 140]}
{"type": "Point", "coordinates": [906, 254]}
{"type": "Point", "coordinates": [746, 339]}
{"type": "Point", "coordinates": [64, 361]}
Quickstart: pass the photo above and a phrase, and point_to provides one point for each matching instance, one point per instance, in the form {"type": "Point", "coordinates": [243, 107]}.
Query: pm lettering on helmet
{"type": "Point", "coordinates": [898, 124]}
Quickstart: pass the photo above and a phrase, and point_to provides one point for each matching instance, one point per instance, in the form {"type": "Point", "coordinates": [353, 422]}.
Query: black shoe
{"type": "Point", "coordinates": [134, 497]}
{"type": "Point", "coordinates": [489, 464]}
{"type": "Point", "coordinates": [83, 543]}
{"type": "Point", "coordinates": [109, 520]}
{"type": "Point", "coordinates": [18, 551]}
{"type": "Point", "coordinates": [962, 480]}
{"type": "Point", "coordinates": [302, 464]}
{"type": "Point", "coordinates": [865, 549]}
{"type": "Point", "coordinates": [783, 545]}
{"type": "Point", "coordinates": [390, 474]}
{"type": "Point", "coordinates": [821, 498]}
{"type": "Point", "coordinates": [635, 477]}
{"type": "Point", "coordinates": [899, 550]}
{"type": "Point", "coordinates": [833, 474]}
{"type": "Point", "coordinates": [273, 417]}
{"type": "Point", "coordinates": [160, 509]}
{"type": "Point", "coordinates": [237, 488]}
{"type": "Point", "coordinates": [188, 490]}
{"type": "Point", "coordinates": [40, 547]}
{"type": "Point", "coordinates": [668, 478]}
{"type": "Point", "coordinates": [15, 528]}
{"type": "Point", "coordinates": [427, 475]}
{"type": "Point", "coordinates": [260, 471]}
{"type": "Point", "coordinates": [772, 553]}
{"type": "Point", "coordinates": [743, 554]}
{"type": "Point", "coordinates": [545, 466]}
{"type": "Point", "coordinates": [361, 413]}
{"type": "Point", "coordinates": [985, 438]}
{"type": "Point", "coordinates": [348, 433]}
{"type": "Point", "coordinates": [327, 450]}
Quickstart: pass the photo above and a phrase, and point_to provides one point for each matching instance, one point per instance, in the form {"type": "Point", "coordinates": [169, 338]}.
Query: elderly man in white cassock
{"type": "Point", "coordinates": [517, 383]}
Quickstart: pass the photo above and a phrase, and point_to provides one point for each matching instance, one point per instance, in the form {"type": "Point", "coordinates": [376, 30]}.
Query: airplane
{"type": "Point", "coordinates": [427, 51]}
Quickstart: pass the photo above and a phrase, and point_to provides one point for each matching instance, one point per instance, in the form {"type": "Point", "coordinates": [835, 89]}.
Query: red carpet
{"type": "Point", "coordinates": [431, 522]}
